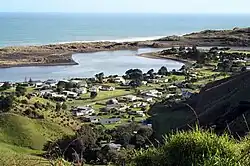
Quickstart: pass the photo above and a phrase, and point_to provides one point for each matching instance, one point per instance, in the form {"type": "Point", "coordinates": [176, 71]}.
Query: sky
{"type": "Point", "coordinates": [126, 6]}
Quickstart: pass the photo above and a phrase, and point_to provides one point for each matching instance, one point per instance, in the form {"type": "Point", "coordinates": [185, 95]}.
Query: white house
{"type": "Point", "coordinates": [81, 90]}
{"type": "Point", "coordinates": [148, 99]}
{"type": "Point", "coordinates": [46, 92]}
{"type": "Point", "coordinates": [1, 84]}
{"type": "Point", "coordinates": [120, 80]}
{"type": "Point", "coordinates": [70, 94]}
{"type": "Point", "coordinates": [153, 93]}
{"type": "Point", "coordinates": [144, 82]}
{"type": "Point", "coordinates": [140, 113]}
{"type": "Point", "coordinates": [109, 121]}
{"type": "Point", "coordinates": [83, 110]}
{"type": "Point", "coordinates": [107, 88]}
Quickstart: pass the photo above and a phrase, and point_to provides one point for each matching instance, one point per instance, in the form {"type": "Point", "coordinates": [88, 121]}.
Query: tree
{"type": "Point", "coordinates": [100, 77]}
{"type": "Point", "coordinates": [151, 71]}
{"type": "Point", "coordinates": [163, 71]}
{"type": "Point", "coordinates": [5, 86]}
{"type": "Point", "coordinates": [134, 74]}
{"type": "Point", "coordinates": [64, 106]}
{"type": "Point", "coordinates": [58, 107]}
{"type": "Point", "coordinates": [6, 103]}
{"type": "Point", "coordinates": [182, 48]}
{"type": "Point", "coordinates": [93, 95]}
{"type": "Point", "coordinates": [20, 90]}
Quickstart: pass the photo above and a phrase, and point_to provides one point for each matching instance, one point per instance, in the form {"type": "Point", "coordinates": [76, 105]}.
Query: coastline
{"type": "Point", "coordinates": [157, 56]}
{"type": "Point", "coordinates": [61, 54]}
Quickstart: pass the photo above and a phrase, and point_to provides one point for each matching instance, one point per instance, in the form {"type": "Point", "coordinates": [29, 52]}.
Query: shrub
{"type": "Point", "coordinates": [197, 148]}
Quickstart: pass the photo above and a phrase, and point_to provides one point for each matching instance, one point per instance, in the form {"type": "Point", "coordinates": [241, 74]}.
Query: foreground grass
{"type": "Point", "coordinates": [196, 148]}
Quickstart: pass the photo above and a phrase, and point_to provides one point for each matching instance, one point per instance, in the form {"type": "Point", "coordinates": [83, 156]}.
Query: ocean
{"type": "Point", "coordinates": [44, 28]}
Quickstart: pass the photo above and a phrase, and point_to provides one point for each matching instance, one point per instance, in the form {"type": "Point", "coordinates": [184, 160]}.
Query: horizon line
{"type": "Point", "coordinates": [60, 12]}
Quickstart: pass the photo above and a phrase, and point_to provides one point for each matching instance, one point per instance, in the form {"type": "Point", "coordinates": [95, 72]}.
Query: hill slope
{"type": "Point", "coordinates": [22, 131]}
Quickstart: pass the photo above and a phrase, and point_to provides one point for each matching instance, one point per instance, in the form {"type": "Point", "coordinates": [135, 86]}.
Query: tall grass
{"type": "Point", "coordinates": [196, 148]}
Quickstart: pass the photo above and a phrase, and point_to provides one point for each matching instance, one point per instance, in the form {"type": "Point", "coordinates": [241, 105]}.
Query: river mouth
{"type": "Point", "coordinates": [89, 64]}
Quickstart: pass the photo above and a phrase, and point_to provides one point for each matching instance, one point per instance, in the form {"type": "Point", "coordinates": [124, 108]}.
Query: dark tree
{"type": "Point", "coordinates": [134, 74]}
{"type": "Point", "coordinates": [151, 71]}
{"type": "Point", "coordinates": [93, 95]}
{"type": "Point", "coordinates": [20, 90]}
{"type": "Point", "coordinates": [6, 103]}
{"type": "Point", "coordinates": [163, 71]}
{"type": "Point", "coordinates": [64, 106]}
{"type": "Point", "coordinates": [58, 107]}
{"type": "Point", "coordinates": [100, 77]}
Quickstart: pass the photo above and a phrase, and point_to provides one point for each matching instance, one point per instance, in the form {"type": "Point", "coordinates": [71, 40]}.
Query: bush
{"type": "Point", "coordinates": [199, 148]}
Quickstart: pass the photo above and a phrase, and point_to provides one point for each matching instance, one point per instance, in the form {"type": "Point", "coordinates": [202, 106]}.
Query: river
{"type": "Point", "coordinates": [109, 62]}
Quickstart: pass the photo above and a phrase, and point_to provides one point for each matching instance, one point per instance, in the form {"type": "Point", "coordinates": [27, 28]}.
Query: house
{"type": "Point", "coordinates": [83, 110]}
{"type": "Point", "coordinates": [94, 89]}
{"type": "Point", "coordinates": [144, 82]}
{"type": "Point", "coordinates": [92, 119]}
{"type": "Point", "coordinates": [112, 101]}
{"type": "Point", "coordinates": [51, 81]}
{"type": "Point", "coordinates": [139, 105]}
{"type": "Point", "coordinates": [153, 93]}
{"type": "Point", "coordinates": [118, 107]}
{"type": "Point", "coordinates": [81, 83]}
{"type": "Point", "coordinates": [37, 84]}
{"type": "Point", "coordinates": [120, 80]}
{"type": "Point", "coordinates": [172, 88]}
{"type": "Point", "coordinates": [148, 99]}
{"type": "Point", "coordinates": [70, 94]}
{"type": "Point", "coordinates": [109, 121]}
{"type": "Point", "coordinates": [1, 84]}
{"type": "Point", "coordinates": [130, 98]}
{"type": "Point", "coordinates": [46, 92]}
{"type": "Point", "coordinates": [140, 113]}
{"type": "Point", "coordinates": [81, 90]}
{"type": "Point", "coordinates": [113, 146]}
{"type": "Point", "coordinates": [56, 96]}
{"type": "Point", "coordinates": [107, 88]}
{"type": "Point", "coordinates": [153, 81]}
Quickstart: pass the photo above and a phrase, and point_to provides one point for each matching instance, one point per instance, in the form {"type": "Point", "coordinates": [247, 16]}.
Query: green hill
{"type": "Point", "coordinates": [22, 131]}
{"type": "Point", "coordinates": [21, 138]}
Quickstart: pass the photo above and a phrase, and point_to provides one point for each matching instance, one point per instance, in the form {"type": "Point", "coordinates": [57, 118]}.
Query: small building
{"type": "Point", "coordinates": [113, 146]}
{"type": "Point", "coordinates": [81, 90]}
{"type": "Point", "coordinates": [1, 84]}
{"type": "Point", "coordinates": [51, 81]}
{"type": "Point", "coordinates": [110, 121]}
{"type": "Point", "coordinates": [92, 119]}
{"type": "Point", "coordinates": [112, 101]}
{"type": "Point", "coordinates": [107, 88]}
{"type": "Point", "coordinates": [119, 80]}
{"type": "Point", "coordinates": [153, 93]}
{"type": "Point", "coordinates": [46, 92]}
{"type": "Point", "coordinates": [130, 98]}
{"type": "Point", "coordinates": [148, 99]}
{"type": "Point", "coordinates": [83, 110]}
{"type": "Point", "coordinates": [140, 113]}
{"type": "Point", "coordinates": [70, 94]}
{"type": "Point", "coordinates": [144, 82]}
{"type": "Point", "coordinates": [172, 88]}
{"type": "Point", "coordinates": [94, 89]}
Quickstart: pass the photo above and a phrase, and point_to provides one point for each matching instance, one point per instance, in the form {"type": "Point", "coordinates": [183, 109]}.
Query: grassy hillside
{"type": "Point", "coordinates": [22, 138]}
{"type": "Point", "coordinates": [22, 131]}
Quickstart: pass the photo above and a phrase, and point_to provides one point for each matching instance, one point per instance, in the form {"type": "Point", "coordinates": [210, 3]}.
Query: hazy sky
{"type": "Point", "coordinates": [127, 6]}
